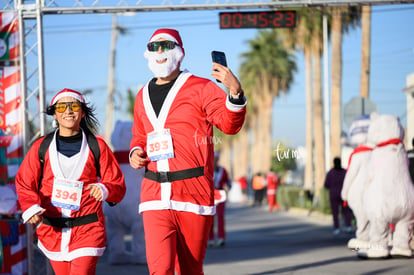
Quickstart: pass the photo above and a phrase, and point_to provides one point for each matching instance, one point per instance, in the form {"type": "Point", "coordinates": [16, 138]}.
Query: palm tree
{"type": "Point", "coordinates": [316, 51]}
{"type": "Point", "coordinates": [342, 19]}
{"type": "Point", "coordinates": [267, 71]}
{"type": "Point", "coordinates": [366, 49]}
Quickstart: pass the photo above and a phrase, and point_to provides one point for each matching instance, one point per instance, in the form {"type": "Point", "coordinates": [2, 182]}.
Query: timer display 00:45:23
{"type": "Point", "coordinates": [264, 19]}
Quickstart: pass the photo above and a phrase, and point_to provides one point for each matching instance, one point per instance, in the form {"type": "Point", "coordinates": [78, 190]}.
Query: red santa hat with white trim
{"type": "Point", "coordinates": [169, 34]}
{"type": "Point", "coordinates": [68, 92]}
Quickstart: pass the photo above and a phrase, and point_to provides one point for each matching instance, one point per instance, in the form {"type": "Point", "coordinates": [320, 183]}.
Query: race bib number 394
{"type": "Point", "coordinates": [159, 145]}
{"type": "Point", "coordinates": [67, 193]}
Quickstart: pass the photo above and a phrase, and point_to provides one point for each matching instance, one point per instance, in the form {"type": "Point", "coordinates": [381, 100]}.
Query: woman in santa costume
{"type": "Point", "coordinates": [64, 199]}
{"type": "Point", "coordinates": [174, 115]}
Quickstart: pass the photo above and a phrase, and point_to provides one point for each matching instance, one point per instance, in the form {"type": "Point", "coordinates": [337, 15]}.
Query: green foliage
{"type": "Point", "coordinates": [294, 196]}
{"type": "Point", "coordinates": [284, 158]}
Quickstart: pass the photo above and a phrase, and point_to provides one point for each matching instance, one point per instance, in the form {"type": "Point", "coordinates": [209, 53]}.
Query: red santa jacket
{"type": "Point", "coordinates": [272, 182]}
{"type": "Point", "coordinates": [221, 179]}
{"type": "Point", "coordinates": [65, 244]}
{"type": "Point", "coordinates": [193, 106]}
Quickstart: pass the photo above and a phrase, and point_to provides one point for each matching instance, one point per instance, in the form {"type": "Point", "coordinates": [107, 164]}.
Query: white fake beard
{"type": "Point", "coordinates": [174, 58]}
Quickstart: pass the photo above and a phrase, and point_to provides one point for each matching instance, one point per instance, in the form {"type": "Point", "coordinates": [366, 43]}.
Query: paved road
{"type": "Point", "coordinates": [262, 243]}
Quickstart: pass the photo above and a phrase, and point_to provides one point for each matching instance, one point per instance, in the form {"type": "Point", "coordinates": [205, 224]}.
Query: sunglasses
{"type": "Point", "coordinates": [165, 45]}
{"type": "Point", "coordinates": [61, 106]}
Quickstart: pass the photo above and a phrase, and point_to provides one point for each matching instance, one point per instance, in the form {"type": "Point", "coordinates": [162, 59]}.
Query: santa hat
{"type": "Point", "coordinates": [68, 92]}
{"type": "Point", "coordinates": [169, 34]}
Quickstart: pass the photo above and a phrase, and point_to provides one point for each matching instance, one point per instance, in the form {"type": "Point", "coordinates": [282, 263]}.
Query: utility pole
{"type": "Point", "coordinates": [111, 82]}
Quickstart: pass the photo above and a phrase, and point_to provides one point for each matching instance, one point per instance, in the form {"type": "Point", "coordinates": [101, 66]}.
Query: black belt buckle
{"type": "Point", "coordinates": [67, 223]}
{"type": "Point", "coordinates": [164, 177]}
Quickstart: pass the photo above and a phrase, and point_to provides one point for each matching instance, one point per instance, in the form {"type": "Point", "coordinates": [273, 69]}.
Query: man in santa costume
{"type": "Point", "coordinates": [222, 185]}
{"type": "Point", "coordinates": [174, 115]}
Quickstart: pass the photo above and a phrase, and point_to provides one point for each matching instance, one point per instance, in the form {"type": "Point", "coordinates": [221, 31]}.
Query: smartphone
{"type": "Point", "coordinates": [219, 57]}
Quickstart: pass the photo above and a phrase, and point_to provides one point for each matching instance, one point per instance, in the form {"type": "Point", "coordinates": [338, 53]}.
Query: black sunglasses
{"type": "Point", "coordinates": [165, 45]}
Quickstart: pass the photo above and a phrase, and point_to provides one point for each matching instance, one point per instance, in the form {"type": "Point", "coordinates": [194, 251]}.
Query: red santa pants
{"type": "Point", "coordinates": [80, 266]}
{"type": "Point", "coordinates": [173, 234]}
{"type": "Point", "coordinates": [271, 199]}
{"type": "Point", "coordinates": [221, 231]}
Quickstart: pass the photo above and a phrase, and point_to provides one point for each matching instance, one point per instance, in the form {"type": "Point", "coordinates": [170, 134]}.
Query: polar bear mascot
{"type": "Point", "coordinates": [389, 196]}
{"type": "Point", "coordinates": [356, 178]}
{"type": "Point", "coordinates": [123, 218]}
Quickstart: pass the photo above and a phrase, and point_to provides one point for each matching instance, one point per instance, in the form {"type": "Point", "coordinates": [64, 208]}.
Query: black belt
{"type": "Point", "coordinates": [70, 222]}
{"type": "Point", "coordinates": [176, 175]}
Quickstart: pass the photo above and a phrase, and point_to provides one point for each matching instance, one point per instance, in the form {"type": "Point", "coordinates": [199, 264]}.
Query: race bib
{"type": "Point", "coordinates": [159, 145]}
{"type": "Point", "coordinates": [67, 193]}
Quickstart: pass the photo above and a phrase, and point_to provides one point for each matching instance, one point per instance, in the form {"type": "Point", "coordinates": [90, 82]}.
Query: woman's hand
{"type": "Point", "coordinates": [36, 218]}
{"type": "Point", "coordinates": [95, 192]}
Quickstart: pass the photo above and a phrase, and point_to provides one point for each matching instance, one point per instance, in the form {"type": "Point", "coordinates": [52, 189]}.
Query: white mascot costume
{"type": "Point", "coordinates": [123, 218]}
{"type": "Point", "coordinates": [356, 179]}
{"type": "Point", "coordinates": [389, 196]}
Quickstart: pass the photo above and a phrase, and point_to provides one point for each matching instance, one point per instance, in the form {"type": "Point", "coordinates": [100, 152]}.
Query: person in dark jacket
{"type": "Point", "coordinates": [333, 182]}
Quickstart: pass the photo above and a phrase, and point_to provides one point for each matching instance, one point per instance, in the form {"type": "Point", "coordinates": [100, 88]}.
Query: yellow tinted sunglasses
{"type": "Point", "coordinates": [60, 107]}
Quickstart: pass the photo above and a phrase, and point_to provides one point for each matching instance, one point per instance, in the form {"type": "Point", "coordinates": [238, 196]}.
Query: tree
{"type": "Point", "coordinates": [343, 18]}
{"type": "Point", "coordinates": [366, 51]}
{"type": "Point", "coordinates": [267, 70]}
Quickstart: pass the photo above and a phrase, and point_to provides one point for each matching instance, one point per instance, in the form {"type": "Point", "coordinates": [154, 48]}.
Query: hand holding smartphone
{"type": "Point", "coordinates": [220, 58]}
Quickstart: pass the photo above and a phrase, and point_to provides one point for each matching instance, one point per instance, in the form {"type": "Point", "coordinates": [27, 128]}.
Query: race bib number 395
{"type": "Point", "coordinates": [67, 193]}
{"type": "Point", "coordinates": [159, 145]}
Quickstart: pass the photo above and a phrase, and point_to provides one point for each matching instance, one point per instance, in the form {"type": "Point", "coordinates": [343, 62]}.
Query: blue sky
{"type": "Point", "coordinates": [76, 49]}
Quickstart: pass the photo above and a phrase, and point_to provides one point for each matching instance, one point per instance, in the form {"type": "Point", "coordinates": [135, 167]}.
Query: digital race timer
{"type": "Point", "coordinates": [260, 19]}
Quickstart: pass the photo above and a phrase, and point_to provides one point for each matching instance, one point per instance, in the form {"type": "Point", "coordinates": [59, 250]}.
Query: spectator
{"type": "Point", "coordinates": [259, 188]}
{"type": "Point", "coordinates": [333, 182]}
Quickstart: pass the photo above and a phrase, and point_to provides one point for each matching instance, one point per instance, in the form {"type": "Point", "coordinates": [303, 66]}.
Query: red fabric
{"type": "Point", "coordinates": [14, 255]}
{"type": "Point", "coordinates": [172, 32]}
{"type": "Point", "coordinates": [243, 183]}
{"type": "Point", "coordinates": [122, 157]}
{"type": "Point", "coordinates": [82, 265]}
{"type": "Point", "coordinates": [90, 235]}
{"type": "Point", "coordinates": [361, 148]}
{"type": "Point", "coordinates": [272, 182]}
{"type": "Point", "coordinates": [169, 231]}
{"type": "Point", "coordinates": [394, 141]}
{"type": "Point", "coordinates": [192, 138]}
{"type": "Point", "coordinates": [223, 180]}
{"type": "Point", "coordinates": [220, 222]}
{"type": "Point", "coordinates": [68, 92]}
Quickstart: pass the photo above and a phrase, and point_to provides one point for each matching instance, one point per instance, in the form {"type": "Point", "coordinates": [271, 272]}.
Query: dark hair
{"type": "Point", "coordinates": [337, 163]}
{"type": "Point", "coordinates": [89, 123]}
